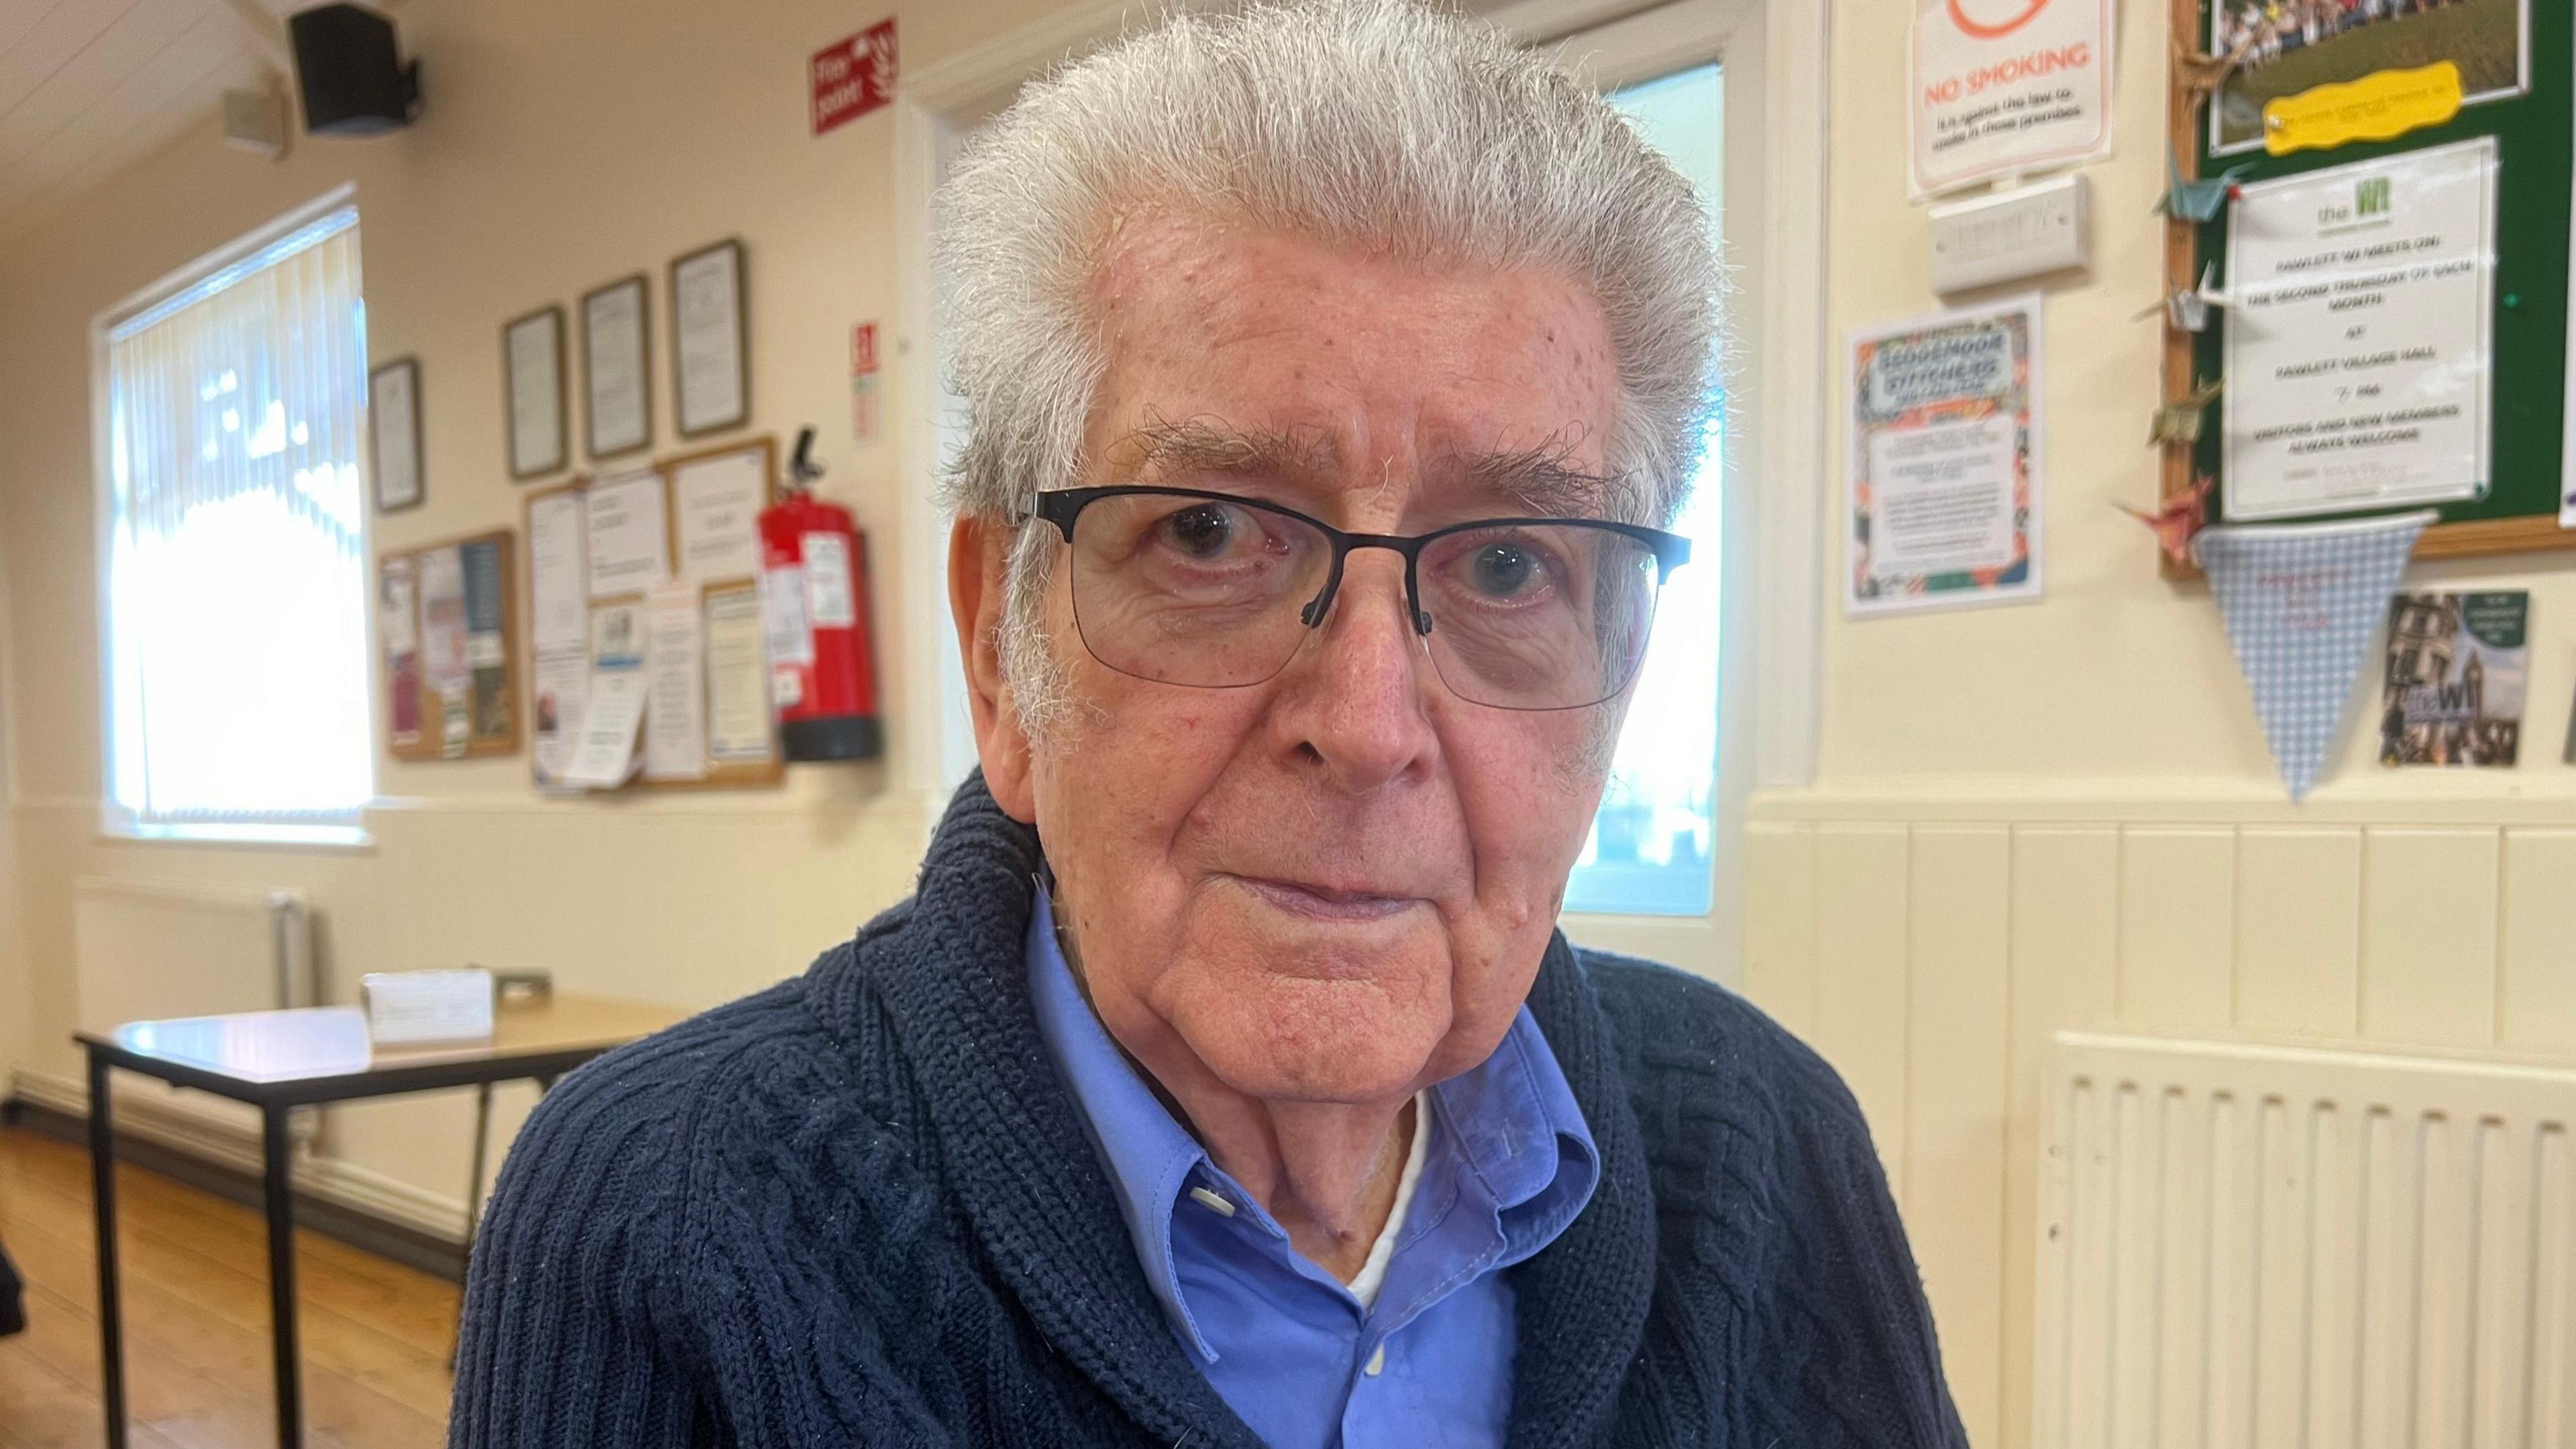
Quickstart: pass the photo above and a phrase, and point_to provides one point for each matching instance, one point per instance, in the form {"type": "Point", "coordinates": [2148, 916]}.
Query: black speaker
{"type": "Point", "coordinates": [354, 83]}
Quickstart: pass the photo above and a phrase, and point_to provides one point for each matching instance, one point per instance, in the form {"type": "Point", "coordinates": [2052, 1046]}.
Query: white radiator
{"type": "Point", "coordinates": [156, 951]}
{"type": "Point", "coordinates": [2246, 1246]}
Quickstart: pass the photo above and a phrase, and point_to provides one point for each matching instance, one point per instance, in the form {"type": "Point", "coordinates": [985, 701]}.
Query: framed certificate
{"type": "Point", "coordinates": [710, 368]}
{"type": "Point", "coordinates": [532, 373]}
{"type": "Point", "coordinates": [616, 375]}
{"type": "Point", "coordinates": [393, 433]}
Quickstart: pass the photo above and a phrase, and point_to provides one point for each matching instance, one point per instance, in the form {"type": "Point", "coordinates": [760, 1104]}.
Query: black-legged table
{"type": "Point", "coordinates": [280, 1060]}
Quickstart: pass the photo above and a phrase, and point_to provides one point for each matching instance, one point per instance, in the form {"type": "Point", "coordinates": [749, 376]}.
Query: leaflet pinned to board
{"type": "Point", "coordinates": [601, 745]}
{"type": "Point", "coordinates": [738, 716]}
{"type": "Point", "coordinates": [675, 710]}
{"type": "Point", "coordinates": [716, 503]}
{"type": "Point", "coordinates": [1944, 496]}
{"type": "Point", "coordinates": [629, 535]}
{"type": "Point", "coordinates": [2359, 352]}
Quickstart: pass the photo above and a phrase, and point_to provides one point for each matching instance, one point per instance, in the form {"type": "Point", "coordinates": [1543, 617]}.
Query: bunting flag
{"type": "Point", "coordinates": [2301, 603]}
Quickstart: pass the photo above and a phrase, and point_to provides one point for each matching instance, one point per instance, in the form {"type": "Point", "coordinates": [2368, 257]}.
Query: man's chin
{"type": "Point", "coordinates": [1317, 1052]}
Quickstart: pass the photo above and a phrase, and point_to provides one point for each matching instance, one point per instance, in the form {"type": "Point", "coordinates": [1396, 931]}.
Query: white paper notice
{"type": "Point", "coordinates": [1945, 496]}
{"type": "Point", "coordinates": [401, 607]}
{"type": "Point", "coordinates": [782, 609]}
{"type": "Point", "coordinates": [563, 695]}
{"type": "Point", "coordinates": [559, 571]}
{"type": "Point", "coordinates": [2359, 350]}
{"type": "Point", "coordinates": [738, 723]}
{"type": "Point", "coordinates": [629, 535]}
{"type": "Point", "coordinates": [719, 501]}
{"type": "Point", "coordinates": [1999, 86]}
{"type": "Point", "coordinates": [443, 661]}
{"type": "Point", "coordinates": [605, 746]}
{"type": "Point", "coordinates": [675, 661]}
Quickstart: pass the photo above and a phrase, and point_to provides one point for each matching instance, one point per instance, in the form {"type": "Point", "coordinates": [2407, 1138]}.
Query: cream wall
{"type": "Point", "coordinates": [2063, 814]}
{"type": "Point", "coordinates": [563, 145]}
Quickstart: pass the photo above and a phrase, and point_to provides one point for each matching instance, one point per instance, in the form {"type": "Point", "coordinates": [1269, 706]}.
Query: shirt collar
{"type": "Point", "coordinates": [1150, 1157]}
{"type": "Point", "coordinates": [1517, 1143]}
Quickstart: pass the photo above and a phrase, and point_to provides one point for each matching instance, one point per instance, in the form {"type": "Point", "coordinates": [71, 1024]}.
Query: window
{"type": "Point", "coordinates": [1650, 849]}
{"type": "Point", "coordinates": [234, 552]}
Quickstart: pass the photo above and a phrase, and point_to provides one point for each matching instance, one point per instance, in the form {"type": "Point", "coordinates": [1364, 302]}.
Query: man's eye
{"type": "Point", "coordinates": [1503, 570]}
{"type": "Point", "coordinates": [1201, 532]}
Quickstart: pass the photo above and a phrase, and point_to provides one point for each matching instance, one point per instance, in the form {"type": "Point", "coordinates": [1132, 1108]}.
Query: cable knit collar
{"type": "Point", "coordinates": [951, 972]}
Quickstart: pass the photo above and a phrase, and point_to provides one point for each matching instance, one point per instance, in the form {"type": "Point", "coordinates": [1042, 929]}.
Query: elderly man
{"type": "Point", "coordinates": [1227, 1082]}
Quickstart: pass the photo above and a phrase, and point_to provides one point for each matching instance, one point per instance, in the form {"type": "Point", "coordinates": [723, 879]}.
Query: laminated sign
{"type": "Point", "coordinates": [2006, 85]}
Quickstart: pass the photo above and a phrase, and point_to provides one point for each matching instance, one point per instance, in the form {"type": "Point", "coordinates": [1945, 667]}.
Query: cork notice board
{"type": "Point", "coordinates": [2527, 117]}
{"type": "Point", "coordinates": [448, 627]}
{"type": "Point", "coordinates": [622, 568]}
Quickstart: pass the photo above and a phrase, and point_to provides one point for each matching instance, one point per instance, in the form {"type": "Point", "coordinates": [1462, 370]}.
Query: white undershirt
{"type": "Point", "coordinates": [1365, 1284]}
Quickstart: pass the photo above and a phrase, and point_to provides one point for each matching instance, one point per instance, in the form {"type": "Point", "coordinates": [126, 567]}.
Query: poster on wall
{"type": "Point", "coordinates": [2358, 352]}
{"type": "Point", "coordinates": [1943, 463]}
{"type": "Point", "coordinates": [2454, 687]}
{"type": "Point", "coordinates": [1999, 86]}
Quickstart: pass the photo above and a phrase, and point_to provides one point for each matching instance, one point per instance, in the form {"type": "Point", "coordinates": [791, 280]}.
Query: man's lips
{"type": "Point", "coordinates": [1319, 902]}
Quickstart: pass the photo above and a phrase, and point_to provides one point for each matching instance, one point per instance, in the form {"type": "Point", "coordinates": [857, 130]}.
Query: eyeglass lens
{"type": "Point", "coordinates": [1200, 591]}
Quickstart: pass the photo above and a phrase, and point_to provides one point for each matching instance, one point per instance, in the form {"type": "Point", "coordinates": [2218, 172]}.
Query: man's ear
{"type": "Point", "coordinates": [978, 562]}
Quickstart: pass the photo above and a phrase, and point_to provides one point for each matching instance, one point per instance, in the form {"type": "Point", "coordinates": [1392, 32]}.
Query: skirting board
{"type": "Point", "coordinates": [360, 1207]}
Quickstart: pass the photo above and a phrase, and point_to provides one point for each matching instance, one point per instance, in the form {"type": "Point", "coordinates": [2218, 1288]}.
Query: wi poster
{"type": "Point", "coordinates": [2359, 351]}
{"type": "Point", "coordinates": [2457, 667]}
{"type": "Point", "coordinates": [1944, 461]}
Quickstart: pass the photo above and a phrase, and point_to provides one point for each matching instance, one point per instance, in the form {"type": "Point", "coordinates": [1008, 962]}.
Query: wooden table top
{"type": "Point", "coordinates": [331, 1041]}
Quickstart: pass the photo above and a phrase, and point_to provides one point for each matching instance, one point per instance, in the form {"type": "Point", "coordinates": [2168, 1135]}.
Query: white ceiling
{"type": "Point", "coordinates": [89, 85]}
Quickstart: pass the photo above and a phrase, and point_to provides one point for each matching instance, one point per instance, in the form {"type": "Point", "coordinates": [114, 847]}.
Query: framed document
{"type": "Point", "coordinates": [710, 369]}
{"type": "Point", "coordinates": [615, 373]}
{"type": "Point", "coordinates": [532, 375]}
{"type": "Point", "coordinates": [393, 433]}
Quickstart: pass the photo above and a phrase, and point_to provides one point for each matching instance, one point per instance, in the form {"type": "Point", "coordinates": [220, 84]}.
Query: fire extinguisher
{"type": "Point", "coordinates": [813, 596]}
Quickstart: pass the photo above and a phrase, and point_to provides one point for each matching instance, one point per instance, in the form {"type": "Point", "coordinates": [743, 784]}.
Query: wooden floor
{"type": "Point", "coordinates": [197, 1374]}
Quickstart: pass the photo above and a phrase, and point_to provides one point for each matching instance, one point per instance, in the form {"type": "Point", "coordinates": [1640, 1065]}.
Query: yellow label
{"type": "Point", "coordinates": [2373, 108]}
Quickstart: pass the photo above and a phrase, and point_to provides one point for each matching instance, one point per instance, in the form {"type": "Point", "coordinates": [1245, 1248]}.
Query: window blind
{"type": "Point", "coordinates": [236, 553]}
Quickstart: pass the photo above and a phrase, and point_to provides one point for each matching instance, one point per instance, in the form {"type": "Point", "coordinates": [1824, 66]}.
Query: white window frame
{"type": "Point", "coordinates": [1775, 55]}
{"type": "Point", "coordinates": [115, 820]}
{"type": "Point", "coordinates": [1768, 530]}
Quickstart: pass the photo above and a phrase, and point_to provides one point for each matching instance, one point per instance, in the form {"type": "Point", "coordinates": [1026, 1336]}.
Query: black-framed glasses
{"type": "Point", "coordinates": [1184, 586]}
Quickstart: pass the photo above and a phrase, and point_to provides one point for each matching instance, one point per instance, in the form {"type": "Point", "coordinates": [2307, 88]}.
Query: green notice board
{"type": "Point", "coordinates": [2535, 136]}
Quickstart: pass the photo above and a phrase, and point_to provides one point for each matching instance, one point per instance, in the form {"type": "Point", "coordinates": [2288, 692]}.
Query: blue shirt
{"type": "Point", "coordinates": [1508, 1164]}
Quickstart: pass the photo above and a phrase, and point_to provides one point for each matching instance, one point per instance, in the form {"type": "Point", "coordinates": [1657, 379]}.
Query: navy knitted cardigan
{"type": "Point", "coordinates": [859, 1208]}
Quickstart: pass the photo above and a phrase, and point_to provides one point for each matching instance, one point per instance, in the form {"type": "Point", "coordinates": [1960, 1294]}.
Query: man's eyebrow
{"type": "Point", "coordinates": [1159, 448]}
{"type": "Point", "coordinates": [1533, 482]}
{"type": "Point", "coordinates": [1543, 484]}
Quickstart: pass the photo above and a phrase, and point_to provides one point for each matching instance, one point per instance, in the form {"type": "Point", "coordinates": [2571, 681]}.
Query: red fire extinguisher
{"type": "Point", "coordinates": [813, 593]}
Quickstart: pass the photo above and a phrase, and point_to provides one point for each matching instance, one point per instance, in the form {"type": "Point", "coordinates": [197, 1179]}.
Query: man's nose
{"type": "Point", "coordinates": [1352, 700]}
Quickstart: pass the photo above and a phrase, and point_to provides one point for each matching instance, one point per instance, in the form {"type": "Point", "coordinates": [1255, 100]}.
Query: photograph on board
{"type": "Point", "coordinates": [2285, 47]}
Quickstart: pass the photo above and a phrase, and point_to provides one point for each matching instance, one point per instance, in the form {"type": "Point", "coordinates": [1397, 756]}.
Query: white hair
{"type": "Point", "coordinates": [1381, 124]}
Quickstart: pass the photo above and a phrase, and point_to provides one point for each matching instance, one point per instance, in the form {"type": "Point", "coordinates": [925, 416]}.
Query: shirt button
{"type": "Point", "coordinates": [1377, 1362]}
{"type": "Point", "coordinates": [1212, 1201]}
